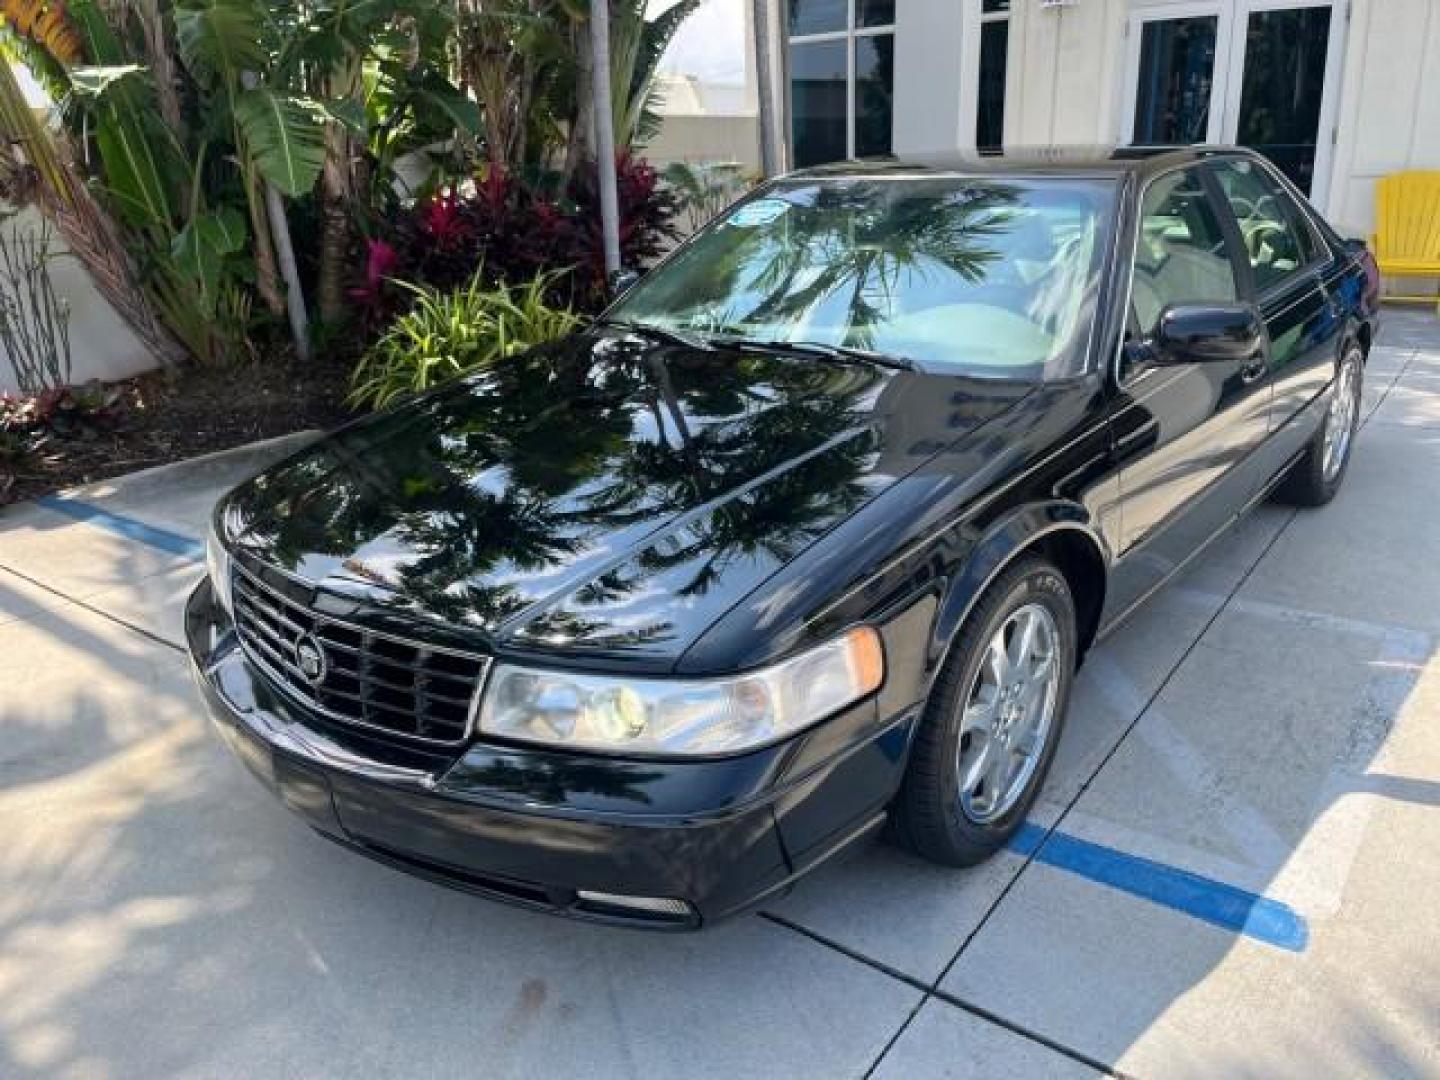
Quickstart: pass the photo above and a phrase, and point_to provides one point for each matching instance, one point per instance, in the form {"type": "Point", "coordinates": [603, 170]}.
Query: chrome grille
{"type": "Point", "coordinates": [366, 679]}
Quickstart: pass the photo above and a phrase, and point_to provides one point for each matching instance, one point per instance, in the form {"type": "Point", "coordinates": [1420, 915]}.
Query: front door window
{"type": "Point", "coordinates": [1181, 256]}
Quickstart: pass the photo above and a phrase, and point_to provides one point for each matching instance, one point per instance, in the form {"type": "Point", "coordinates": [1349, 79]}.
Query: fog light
{"type": "Point", "coordinates": [655, 906]}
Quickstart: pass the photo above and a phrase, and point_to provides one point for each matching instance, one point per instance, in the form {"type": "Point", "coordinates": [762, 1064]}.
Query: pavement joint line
{"type": "Point", "coordinates": [930, 991]}
{"type": "Point", "coordinates": [156, 536]}
{"type": "Point", "coordinates": [1114, 749]}
{"type": "Point", "coordinates": [1312, 620]}
{"type": "Point", "coordinates": [150, 634]}
{"type": "Point", "coordinates": [1385, 393]}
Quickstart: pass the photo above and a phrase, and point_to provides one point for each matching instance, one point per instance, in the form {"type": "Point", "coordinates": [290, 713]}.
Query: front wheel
{"type": "Point", "coordinates": [1316, 477]}
{"type": "Point", "coordinates": [992, 721]}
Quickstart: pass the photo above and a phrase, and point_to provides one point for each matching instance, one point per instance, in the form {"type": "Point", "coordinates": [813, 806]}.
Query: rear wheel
{"type": "Point", "coordinates": [993, 720]}
{"type": "Point", "coordinates": [1316, 477]}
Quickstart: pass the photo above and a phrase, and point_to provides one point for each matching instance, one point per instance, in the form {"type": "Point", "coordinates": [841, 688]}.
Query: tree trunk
{"type": "Point", "coordinates": [334, 224]}
{"type": "Point", "coordinates": [605, 135]}
{"type": "Point", "coordinates": [765, 90]}
{"type": "Point", "coordinates": [162, 66]}
{"type": "Point", "coordinates": [284, 250]}
{"type": "Point", "coordinates": [267, 275]}
{"type": "Point", "coordinates": [581, 142]}
{"type": "Point", "coordinates": [294, 297]}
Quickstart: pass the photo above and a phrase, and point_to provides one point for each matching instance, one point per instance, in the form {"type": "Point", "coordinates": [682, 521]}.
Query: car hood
{"type": "Point", "coordinates": [604, 494]}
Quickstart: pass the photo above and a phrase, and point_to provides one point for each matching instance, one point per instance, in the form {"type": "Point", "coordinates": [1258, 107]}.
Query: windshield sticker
{"type": "Point", "coordinates": [759, 212]}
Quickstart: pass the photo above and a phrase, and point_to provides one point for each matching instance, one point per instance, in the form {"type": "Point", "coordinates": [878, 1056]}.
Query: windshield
{"type": "Point", "coordinates": [989, 277]}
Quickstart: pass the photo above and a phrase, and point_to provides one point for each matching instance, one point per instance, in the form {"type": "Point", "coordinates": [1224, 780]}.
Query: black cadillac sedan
{"type": "Point", "coordinates": [808, 533]}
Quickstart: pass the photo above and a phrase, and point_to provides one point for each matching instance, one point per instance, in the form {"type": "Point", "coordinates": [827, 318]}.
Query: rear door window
{"type": "Point", "coordinates": [1279, 240]}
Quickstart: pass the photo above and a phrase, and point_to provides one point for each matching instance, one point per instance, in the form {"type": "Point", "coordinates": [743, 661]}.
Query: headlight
{"type": "Point", "coordinates": [217, 561]}
{"type": "Point", "coordinates": [679, 717]}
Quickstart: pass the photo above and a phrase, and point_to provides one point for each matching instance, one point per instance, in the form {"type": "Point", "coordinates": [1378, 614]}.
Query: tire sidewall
{"type": "Point", "coordinates": [1038, 583]}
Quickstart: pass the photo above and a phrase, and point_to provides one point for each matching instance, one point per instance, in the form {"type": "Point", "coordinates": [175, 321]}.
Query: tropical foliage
{"type": "Point", "coordinates": [223, 166]}
{"type": "Point", "coordinates": [445, 335]}
{"type": "Point", "coordinates": [509, 229]}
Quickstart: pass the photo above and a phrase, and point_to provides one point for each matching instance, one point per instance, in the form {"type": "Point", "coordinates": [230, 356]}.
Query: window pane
{"type": "Point", "coordinates": [817, 102]}
{"type": "Point", "coordinates": [1181, 256]}
{"type": "Point", "coordinates": [990, 109]}
{"type": "Point", "coordinates": [981, 276]}
{"type": "Point", "coordinates": [874, 85]}
{"type": "Point", "coordinates": [817, 16]}
{"type": "Point", "coordinates": [874, 12]}
{"type": "Point", "coordinates": [1277, 237]}
{"type": "Point", "coordinates": [1280, 92]}
{"type": "Point", "coordinates": [989, 6]}
{"type": "Point", "coordinates": [1177, 67]}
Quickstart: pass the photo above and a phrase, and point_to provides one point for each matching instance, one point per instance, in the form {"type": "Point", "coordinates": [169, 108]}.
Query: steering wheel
{"type": "Point", "coordinates": [1256, 236]}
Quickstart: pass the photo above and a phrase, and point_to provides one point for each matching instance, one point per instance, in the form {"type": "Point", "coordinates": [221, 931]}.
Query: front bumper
{"type": "Point", "coordinates": [571, 834]}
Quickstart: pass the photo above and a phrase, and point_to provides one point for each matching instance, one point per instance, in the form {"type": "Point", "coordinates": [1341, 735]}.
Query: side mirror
{"type": "Point", "coordinates": [1206, 333]}
{"type": "Point", "coordinates": [622, 281]}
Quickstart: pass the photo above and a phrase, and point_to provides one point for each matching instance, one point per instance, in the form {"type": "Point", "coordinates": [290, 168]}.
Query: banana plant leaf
{"type": "Point", "coordinates": [200, 248]}
{"type": "Point", "coordinates": [285, 136]}
{"type": "Point", "coordinates": [220, 40]}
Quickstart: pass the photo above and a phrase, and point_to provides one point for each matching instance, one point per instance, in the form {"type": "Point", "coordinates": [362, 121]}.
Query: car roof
{"type": "Point", "coordinates": [1139, 161]}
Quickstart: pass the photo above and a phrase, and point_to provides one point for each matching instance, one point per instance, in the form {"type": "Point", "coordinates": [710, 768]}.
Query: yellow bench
{"type": "Point", "coordinates": [1407, 228]}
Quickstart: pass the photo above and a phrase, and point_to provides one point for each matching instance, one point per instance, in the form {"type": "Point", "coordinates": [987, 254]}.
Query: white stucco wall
{"type": "Point", "coordinates": [706, 138]}
{"type": "Point", "coordinates": [1062, 78]}
{"type": "Point", "coordinates": [101, 345]}
{"type": "Point", "coordinates": [1389, 104]}
{"type": "Point", "coordinates": [930, 41]}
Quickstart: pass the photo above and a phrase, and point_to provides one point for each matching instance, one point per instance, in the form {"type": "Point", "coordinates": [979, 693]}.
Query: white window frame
{"type": "Point", "coordinates": [1233, 19]}
{"type": "Point", "coordinates": [848, 36]}
{"type": "Point", "coordinates": [975, 31]}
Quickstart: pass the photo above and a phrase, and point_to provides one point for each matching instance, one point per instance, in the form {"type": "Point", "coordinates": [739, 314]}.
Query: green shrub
{"type": "Point", "coordinates": [446, 335]}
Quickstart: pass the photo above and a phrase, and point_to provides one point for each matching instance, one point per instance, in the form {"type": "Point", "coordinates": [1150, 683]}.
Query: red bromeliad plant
{"type": "Point", "coordinates": [517, 230]}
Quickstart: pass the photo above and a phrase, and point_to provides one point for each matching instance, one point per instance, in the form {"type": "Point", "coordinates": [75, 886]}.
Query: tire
{"type": "Point", "coordinates": [1316, 477]}
{"type": "Point", "coordinates": [933, 816]}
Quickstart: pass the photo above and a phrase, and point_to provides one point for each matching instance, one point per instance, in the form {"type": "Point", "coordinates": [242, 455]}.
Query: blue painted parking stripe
{"type": "Point", "coordinates": [128, 527]}
{"type": "Point", "coordinates": [1203, 898]}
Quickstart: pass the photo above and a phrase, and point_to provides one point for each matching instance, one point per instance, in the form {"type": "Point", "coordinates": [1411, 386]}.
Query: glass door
{"type": "Point", "coordinates": [1177, 74]}
{"type": "Point", "coordinates": [1282, 102]}
{"type": "Point", "coordinates": [1259, 73]}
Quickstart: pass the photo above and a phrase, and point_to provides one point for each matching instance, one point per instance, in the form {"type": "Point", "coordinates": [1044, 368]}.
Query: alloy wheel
{"type": "Point", "coordinates": [1340, 420]}
{"type": "Point", "coordinates": [1008, 713]}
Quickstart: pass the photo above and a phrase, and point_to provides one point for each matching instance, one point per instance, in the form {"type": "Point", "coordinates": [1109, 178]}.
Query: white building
{"type": "Point", "coordinates": [1337, 92]}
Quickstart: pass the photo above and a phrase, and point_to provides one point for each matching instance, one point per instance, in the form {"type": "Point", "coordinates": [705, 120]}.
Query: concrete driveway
{"type": "Point", "coordinates": [1235, 867]}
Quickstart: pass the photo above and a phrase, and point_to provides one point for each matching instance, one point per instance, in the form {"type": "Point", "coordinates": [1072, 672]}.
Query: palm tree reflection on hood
{"type": "Point", "coordinates": [475, 503]}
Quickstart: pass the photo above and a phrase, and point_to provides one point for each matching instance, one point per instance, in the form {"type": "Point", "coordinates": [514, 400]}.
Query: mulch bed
{"type": "Point", "coordinates": [169, 416]}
